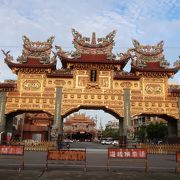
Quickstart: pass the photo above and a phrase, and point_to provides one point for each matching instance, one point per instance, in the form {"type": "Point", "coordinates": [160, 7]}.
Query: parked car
{"type": "Point", "coordinates": [63, 145]}
{"type": "Point", "coordinates": [103, 142]}
{"type": "Point", "coordinates": [160, 142]}
{"type": "Point", "coordinates": [68, 141]}
{"type": "Point", "coordinates": [115, 143]}
{"type": "Point", "coordinates": [108, 142]}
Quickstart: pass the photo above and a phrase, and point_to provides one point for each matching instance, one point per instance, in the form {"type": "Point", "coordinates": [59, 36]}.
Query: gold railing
{"type": "Point", "coordinates": [161, 148]}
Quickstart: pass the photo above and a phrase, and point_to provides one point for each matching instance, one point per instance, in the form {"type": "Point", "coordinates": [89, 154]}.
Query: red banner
{"type": "Point", "coordinates": [177, 156]}
{"type": "Point", "coordinates": [11, 150]}
{"type": "Point", "coordinates": [137, 153]}
{"type": "Point", "coordinates": [71, 155]}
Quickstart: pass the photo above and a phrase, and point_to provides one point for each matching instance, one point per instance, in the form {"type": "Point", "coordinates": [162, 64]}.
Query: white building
{"type": "Point", "coordinates": [114, 124]}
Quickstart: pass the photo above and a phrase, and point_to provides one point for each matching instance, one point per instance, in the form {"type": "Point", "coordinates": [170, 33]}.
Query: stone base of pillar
{"type": "Point", "coordinates": [2, 128]}
{"type": "Point", "coordinates": [60, 141]}
{"type": "Point", "coordinates": [54, 141]}
{"type": "Point", "coordinates": [54, 135]}
{"type": "Point", "coordinates": [122, 141]}
{"type": "Point", "coordinates": [178, 128]}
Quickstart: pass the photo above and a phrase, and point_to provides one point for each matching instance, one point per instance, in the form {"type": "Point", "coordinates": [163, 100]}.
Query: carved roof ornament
{"type": "Point", "coordinates": [36, 49]}
{"type": "Point", "coordinates": [93, 40]}
{"type": "Point", "coordinates": [7, 55]}
{"type": "Point", "coordinates": [35, 55]}
{"type": "Point", "coordinates": [141, 54]}
{"type": "Point", "coordinates": [85, 41]}
{"type": "Point", "coordinates": [147, 49]}
{"type": "Point", "coordinates": [92, 50]}
{"type": "Point", "coordinates": [63, 53]}
{"type": "Point", "coordinates": [85, 45]}
{"type": "Point", "coordinates": [177, 64]}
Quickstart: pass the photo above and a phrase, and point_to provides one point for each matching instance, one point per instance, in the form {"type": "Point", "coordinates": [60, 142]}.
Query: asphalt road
{"type": "Point", "coordinates": [161, 167]}
{"type": "Point", "coordinates": [89, 175]}
{"type": "Point", "coordinates": [96, 160]}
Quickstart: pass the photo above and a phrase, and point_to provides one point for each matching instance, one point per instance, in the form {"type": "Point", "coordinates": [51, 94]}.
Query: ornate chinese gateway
{"type": "Point", "coordinates": [91, 77]}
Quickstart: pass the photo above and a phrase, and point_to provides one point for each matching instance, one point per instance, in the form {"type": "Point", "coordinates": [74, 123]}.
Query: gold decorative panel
{"type": "Point", "coordinates": [82, 81]}
{"type": "Point", "coordinates": [153, 89]}
{"type": "Point", "coordinates": [37, 92]}
{"type": "Point", "coordinates": [104, 82]}
{"type": "Point", "coordinates": [59, 82]}
{"type": "Point", "coordinates": [31, 85]}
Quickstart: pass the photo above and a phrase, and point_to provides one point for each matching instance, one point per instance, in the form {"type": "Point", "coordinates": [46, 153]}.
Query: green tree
{"type": "Point", "coordinates": [141, 133]}
{"type": "Point", "coordinates": [156, 131]}
{"type": "Point", "coordinates": [153, 131]}
{"type": "Point", "coordinates": [108, 132]}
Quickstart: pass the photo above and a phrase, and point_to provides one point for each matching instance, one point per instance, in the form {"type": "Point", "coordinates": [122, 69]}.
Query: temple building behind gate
{"type": "Point", "coordinates": [80, 127]}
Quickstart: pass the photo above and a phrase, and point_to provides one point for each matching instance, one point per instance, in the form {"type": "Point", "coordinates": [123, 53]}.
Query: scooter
{"type": "Point", "coordinates": [68, 146]}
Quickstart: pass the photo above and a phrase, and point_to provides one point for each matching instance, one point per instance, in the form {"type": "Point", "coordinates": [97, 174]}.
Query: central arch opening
{"type": "Point", "coordinates": [87, 124]}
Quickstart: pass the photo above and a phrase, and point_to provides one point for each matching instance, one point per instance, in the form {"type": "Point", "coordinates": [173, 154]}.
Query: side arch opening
{"type": "Point", "coordinates": [145, 119]}
{"type": "Point", "coordinates": [24, 125]}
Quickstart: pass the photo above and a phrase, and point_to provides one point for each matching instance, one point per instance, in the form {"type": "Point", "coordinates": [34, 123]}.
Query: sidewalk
{"type": "Point", "coordinates": [89, 175]}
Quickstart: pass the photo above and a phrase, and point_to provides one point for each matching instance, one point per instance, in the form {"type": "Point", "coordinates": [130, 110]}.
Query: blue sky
{"type": "Point", "coordinates": [148, 21]}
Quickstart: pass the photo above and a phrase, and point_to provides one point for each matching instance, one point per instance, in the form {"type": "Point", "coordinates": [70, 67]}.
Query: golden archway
{"type": "Point", "coordinates": [91, 76]}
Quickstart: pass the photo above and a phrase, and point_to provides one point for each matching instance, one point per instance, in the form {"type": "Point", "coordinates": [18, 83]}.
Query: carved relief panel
{"type": "Point", "coordinates": [81, 81]}
{"type": "Point", "coordinates": [54, 82]}
{"type": "Point", "coordinates": [31, 85]}
{"type": "Point", "coordinates": [133, 85]}
{"type": "Point", "coordinates": [104, 82]}
{"type": "Point", "coordinates": [105, 79]}
{"type": "Point", "coordinates": [31, 82]}
{"type": "Point", "coordinates": [153, 89]}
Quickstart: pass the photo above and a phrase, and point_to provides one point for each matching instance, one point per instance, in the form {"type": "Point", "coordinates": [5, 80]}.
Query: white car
{"type": "Point", "coordinates": [115, 143]}
{"type": "Point", "coordinates": [68, 141]}
{"type": "Point", "coordinates": [103, 142]}
{"type": "Point", "coordinates": [108, 142]}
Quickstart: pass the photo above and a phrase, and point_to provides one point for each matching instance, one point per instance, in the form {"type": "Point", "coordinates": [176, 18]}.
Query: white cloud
{"type": "Point", "coordinates": [147, 21]}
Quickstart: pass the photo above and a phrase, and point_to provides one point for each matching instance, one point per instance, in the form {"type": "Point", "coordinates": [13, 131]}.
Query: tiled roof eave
{"type": "Point", "coordinates": [174, 90]}
{"type": "Point", "coordinates": [78, 60]}
{"type": "Point", "coordinates": [18, 65]}
{"type": "Point", "coordinates": [135, 68]}
{"type": "Point", "coordinates": [60, 75]}
{"type": "Point", "coordinates": [7, 85]}
{"type": "Point", "coordinates": [127, 77]}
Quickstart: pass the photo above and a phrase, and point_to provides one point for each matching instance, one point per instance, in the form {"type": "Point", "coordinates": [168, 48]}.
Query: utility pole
{"type": "Point", "coordinates": [101, 127]}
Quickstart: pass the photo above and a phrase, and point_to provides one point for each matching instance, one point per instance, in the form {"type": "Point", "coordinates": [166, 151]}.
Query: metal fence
{"type": "Point", "coordinates": [161, 148]}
